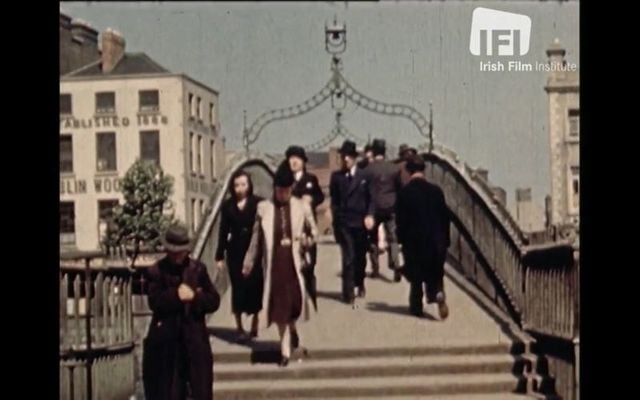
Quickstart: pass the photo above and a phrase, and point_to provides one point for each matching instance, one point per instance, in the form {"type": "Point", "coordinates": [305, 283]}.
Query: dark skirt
{"type": "Point", "coordinates": [246, 293]}
{"type": "Point", "coordinates": [285, 302]}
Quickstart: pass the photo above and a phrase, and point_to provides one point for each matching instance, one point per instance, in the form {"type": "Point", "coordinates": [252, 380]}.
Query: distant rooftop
{"type": "Point", "coordinates": [130, 63]}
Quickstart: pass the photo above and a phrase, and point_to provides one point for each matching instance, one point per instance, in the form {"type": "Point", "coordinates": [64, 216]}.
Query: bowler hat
{"type": "Point", "coordinates": [379, 147]}
{"type": "Point", "coordinates": [296, 151]}
{"type": "Point", "coordinates": [176, 239]}
{"type": "Point", "coordinates": [348, 148]}
{"type": "Point", "coordinates": [415, 164]}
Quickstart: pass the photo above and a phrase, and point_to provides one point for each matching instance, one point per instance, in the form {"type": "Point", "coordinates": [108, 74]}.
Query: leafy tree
{"type": "Point", "coordinates": [139, 223]}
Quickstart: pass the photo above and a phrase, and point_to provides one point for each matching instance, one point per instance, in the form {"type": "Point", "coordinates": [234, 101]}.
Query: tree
{"type": "Point", "coordinates": [139, 223]}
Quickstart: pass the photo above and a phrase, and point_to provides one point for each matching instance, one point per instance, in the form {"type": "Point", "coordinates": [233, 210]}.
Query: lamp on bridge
{"type": "Point", "coordinates": [335, 37]}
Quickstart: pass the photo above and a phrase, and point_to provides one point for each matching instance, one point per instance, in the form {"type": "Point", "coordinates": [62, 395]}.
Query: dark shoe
{"type": "Point", "coordinates": [362, 292]}
{"type": "Point", "coordinates": [417, 313]}
{"type": "Point", "coordinates": [295, 340]}
{"type": "Point", "coordinates": [397, 275]}
{"type": "Point", "coordinates": [284, 361]}
{"type": "Point", "coordinates": [253, 334]}
{"type": "Point", "coordinates": [443, 309]}
{"type": "Point", "coordinates": [375, 275]}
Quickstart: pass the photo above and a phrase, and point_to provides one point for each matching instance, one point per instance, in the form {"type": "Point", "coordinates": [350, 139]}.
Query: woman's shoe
{"type": "Point", "coordinates": [284, 361]}
{"type": "Point", "coordinates": [295, 340]}
{"type": "Point", "coordinates": [253, 334]}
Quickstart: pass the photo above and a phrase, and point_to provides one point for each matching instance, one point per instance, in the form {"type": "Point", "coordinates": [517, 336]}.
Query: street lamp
{"type": "Point", "coordinates": [335, 37]}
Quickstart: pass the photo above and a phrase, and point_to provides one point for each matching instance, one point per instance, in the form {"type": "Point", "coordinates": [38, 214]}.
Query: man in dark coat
{"type": "Point", "coordinates": [177, 356]}
{"type": "Point", "coordinates": [352, 210]}
{"type": "Point", "coordinates": [307, 188]}
{"type": "Point", "coordinates": [384, 181]}
{"type": "Point", "coordinates": [423, 231]}
{"type": "Point", "coordinates": [372, 234]}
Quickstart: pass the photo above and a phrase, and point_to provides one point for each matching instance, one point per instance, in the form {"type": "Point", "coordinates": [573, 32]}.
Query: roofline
{"type": "Point", "coordinates": [67, 78]}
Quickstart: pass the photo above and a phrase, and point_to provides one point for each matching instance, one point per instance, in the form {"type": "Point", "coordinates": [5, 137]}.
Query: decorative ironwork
{"type": "Point", "coordinates": [340, 91]}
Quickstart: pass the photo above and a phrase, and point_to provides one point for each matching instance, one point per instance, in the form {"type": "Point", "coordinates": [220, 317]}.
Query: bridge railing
{"type": "Point", "coordinates": [96, 329]}
{"type": "Point", "coordinates": [536, 285]}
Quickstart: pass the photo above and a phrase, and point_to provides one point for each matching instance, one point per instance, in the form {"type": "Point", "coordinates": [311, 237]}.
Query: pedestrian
{"type": "Point", "coordinates": [307, 188]}
{"type": "Point", "coordinates": [237, 216]}
{"type": "Point", "coordinates": [373, 248]}
{"type": "Point", "coordinates": [384, 181]}
{"type": "Point", "coordinates": [280, 231]}
{"type": "Point", "coordinates": [177, 355]}
{"type": "Point", "coordinates": [352, 212]}
{"type": "Point", "coordinates": [423, 231]}
{"type": "Point", "coordinates": [405, 152]}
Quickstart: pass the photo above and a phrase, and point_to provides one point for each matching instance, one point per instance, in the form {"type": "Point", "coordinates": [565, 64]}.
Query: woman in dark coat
{"type": "Point", "coordinates": [177, 353]}
{"type": "Point", "coordinates": [238, 215]}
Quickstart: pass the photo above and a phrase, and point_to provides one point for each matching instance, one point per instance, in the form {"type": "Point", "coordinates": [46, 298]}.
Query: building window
{"type": "Point", "coordinates": [199, 108]}
{"type": "Point", "coordinates": [200, 158]}
{"type": "Point", "coordinates": [574, 122]}
{"type": "Point", "coordinates": [105, 103]}
{"type": "Point", "coordinates": [65, 104]}
{"type": "Point", "coordinates": [105, 217]}
{"type": "Point", "coordinates": [66, 153]}
{"type": "Point", "coordinates": [150, 146]}
{"type": "Point", "coordinates": [191, 113]}
{"type": "Point", "coordinates": [575, 188]}
{"type": "Point", "coordinates": [194, 216]}
{"type": "Point", "coordinates": [212, 114]}
{"type": "Point", "coordinates": [191, 146]}
{"type": "Point", "coordinates": [201, 210]}
{"type": "Point", "coordinates": [106, 151]}
{"type": "Point", "coordinates": [149, 100]}
{"type": "Point", "coordinates": [67, 223]}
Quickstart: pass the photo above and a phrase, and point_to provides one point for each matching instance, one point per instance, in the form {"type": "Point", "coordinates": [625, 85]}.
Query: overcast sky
{"type": "Point", "coordinates": [262, 56]}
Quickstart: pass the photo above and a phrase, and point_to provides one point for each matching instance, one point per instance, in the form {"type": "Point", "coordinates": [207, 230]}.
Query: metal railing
{"type": "Point", "coordinates": [96, 330]}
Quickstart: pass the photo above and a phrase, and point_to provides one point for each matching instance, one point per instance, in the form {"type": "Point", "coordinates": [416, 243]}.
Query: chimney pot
{"type": "Point", "coordinates": [113, 46]}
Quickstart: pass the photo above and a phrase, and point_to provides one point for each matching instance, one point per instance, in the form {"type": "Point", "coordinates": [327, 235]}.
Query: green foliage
{"type": "Point", "coordinates": [140, 222]}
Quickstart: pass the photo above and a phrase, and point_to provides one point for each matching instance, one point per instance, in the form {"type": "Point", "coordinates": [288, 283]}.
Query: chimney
{"type": "Point", "coordinates": [112, 49]}
{"type": "Point", "coordinates": [556, 53]}
{"type": "Point", "coordinates": [82, 32]}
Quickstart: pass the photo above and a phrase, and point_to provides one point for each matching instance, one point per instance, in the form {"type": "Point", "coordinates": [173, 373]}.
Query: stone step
{"type": "Point", "coordinates": [490, 396]}
{"type": "Point", "coordinates": [361, 367]}
{"type": "Point", "coordinates": [370, 387]}
{"type": "Point", "coordinates": [265, 352]}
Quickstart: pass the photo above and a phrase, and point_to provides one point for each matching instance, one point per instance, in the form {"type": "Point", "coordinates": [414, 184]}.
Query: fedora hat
{"type": "Point", "coordinates": [379, 147]}
{"type": "Point", "coordinates": [348, 148]}
{"type": "Point", "coordinates": [176, 239]}
{"type": "Point", "coordinates": [296, 151]}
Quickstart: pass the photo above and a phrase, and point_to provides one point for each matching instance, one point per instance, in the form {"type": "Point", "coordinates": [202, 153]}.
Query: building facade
{"type": "Point", "coordinates": [78, 44]}
{"type": "Point", "coordinates": [125, 107]}
{"type": "Point", "coordinates": [564, 139]}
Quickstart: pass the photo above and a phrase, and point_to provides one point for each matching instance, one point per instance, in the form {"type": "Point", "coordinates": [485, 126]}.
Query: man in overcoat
{"type": "Point", "coordinates": [423, 230]}
{"type": "Point", "coordinates": [177, 358]}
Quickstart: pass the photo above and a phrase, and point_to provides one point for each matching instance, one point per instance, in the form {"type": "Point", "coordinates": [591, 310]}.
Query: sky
{"type": "Point", "coordinates": [268, 55]}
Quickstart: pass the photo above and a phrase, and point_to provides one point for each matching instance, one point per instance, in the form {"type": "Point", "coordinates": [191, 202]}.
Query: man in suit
{"type": "Point", "coordinates": [404, 153]}
{"type": "Point", "coordinates": [384, 181]}
{"type": "Point", "coordinates": [372, 234]}
{"type": "Point", "coordinates": [307, 188]}
{"type": "Point", "coordinates": [423, 230]}
{"type": "Point", "coordinates": [352, 211]}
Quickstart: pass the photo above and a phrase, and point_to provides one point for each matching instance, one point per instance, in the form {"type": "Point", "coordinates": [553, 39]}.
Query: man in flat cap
{"type": "Point", "coordinates": [177, 352]}
{"type": "Point", "coordinates": [423, 231]}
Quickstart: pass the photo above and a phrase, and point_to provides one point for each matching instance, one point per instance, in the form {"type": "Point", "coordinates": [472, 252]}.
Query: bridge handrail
{"type": "Point", "coordinates": [539, 284]}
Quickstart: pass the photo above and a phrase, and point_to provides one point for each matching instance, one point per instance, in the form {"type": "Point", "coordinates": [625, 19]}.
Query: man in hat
{"type": "Point", "coordinates": [284, 227]}
{"type": "Point", "coordinates": [384, 181]}
{"type": "Point", "coordinates": [177, 352]}
{"type": "Point", "coordinates": [372, 234]}
{"type": "Point", "coordinates": [352, 210]}
{"type": "Point", "coordinates": [307, 188]}
{"type": "Point", "coordinates": [405, 152]}
{"type": "Point", "coordinates": [423, 230]}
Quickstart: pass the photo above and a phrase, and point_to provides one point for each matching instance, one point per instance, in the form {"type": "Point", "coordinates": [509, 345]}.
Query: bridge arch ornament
{"type": "Point", "coordinates": [340, 91]}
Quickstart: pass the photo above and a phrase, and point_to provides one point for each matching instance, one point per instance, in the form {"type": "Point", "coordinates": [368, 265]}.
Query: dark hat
{"type": "Point", "coordinates": [379, 147]}
{"type": "Point", "coordinates": [296, 151]}
{"type": "Point", "coordinates": [348, 148]}
{"type": "Point", "coordinates": [415, 164]}
{"type": "Point", "coordinates": [284, 176]}
{"type": "Point", "coordinates": [176, 239]}
{"type": "Point", "coordinates": [406, 150]}
{"type": "Point", "coordinates": [368, 147]}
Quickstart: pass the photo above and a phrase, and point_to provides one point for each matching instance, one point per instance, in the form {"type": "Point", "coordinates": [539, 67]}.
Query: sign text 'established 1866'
{"type": "Point", "coordinates": [112, 121]}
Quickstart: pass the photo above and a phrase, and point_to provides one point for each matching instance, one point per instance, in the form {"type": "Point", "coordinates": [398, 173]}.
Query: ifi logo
{"type": "Point", "coordinates": [500, 33]}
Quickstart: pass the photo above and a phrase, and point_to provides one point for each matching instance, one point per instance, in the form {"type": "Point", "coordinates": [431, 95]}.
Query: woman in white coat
{"type": "Point", "coordinates": [279, 236]}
